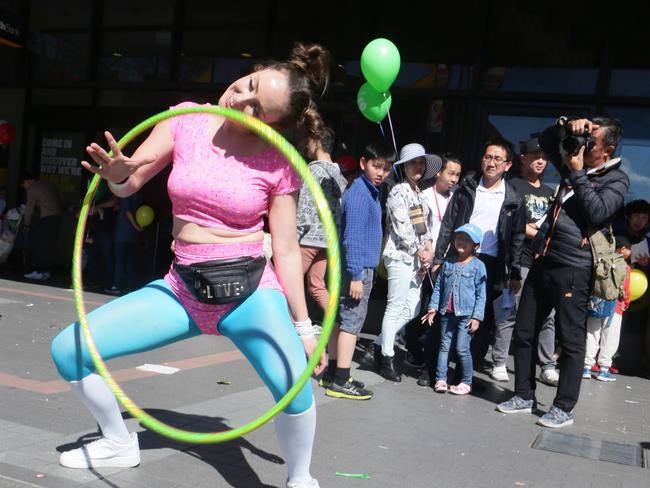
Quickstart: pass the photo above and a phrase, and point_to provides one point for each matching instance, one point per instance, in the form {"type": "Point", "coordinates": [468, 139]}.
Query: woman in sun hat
{"type": "Point", "coordinates": [408, 251]}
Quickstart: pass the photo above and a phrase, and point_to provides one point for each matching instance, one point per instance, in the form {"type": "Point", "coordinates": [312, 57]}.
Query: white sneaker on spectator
{"type": "Point", "coordinates": [500, 373]}
{"type": "Point", "coordinates": [37, 275]}
{"type": "Point", "coordinates": [103, 453]}
{"type": "Point", "coordinates": [550, 376]}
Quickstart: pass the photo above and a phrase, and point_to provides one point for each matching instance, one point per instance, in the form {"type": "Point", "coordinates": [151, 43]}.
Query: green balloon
{"type": "Point", "coordinates": [373, 105]}
{"type": "Point", "coordinates": [380, 61]}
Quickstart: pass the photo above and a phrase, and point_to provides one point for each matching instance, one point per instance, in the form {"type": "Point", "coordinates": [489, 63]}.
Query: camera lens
{"type": "Point", "coordinates": [571, 144]}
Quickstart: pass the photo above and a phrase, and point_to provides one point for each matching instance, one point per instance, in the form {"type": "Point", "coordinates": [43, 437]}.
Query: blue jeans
{"type": "Point", "coordinates": [451, 326]}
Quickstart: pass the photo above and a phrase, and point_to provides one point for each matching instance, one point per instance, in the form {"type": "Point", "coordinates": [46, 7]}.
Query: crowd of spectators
{"type": "Point", "coordinates": [494, 260]}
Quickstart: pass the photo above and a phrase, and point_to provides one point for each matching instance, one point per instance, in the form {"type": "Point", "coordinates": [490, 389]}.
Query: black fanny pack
{"type": "Point", "coordinates": [224, 280]}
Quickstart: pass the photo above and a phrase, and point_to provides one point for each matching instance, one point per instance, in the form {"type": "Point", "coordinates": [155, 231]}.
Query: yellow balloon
{"type": "Point", "coordinates": [144, 215]}
{"type": "Point", "coordinates": [638, 284]}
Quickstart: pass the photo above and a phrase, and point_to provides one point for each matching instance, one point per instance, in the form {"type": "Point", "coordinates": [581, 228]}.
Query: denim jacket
{"type": "Point", "coordinates": [468, 284]}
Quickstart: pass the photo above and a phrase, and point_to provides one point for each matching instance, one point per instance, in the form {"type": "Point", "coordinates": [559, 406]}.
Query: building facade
{"type": "Point", "coordinates": [472, 69]}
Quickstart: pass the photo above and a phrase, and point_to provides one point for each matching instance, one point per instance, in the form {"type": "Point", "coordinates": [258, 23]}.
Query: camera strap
{"type": "Point", "coordinates": [562, 196]}
{"type": "Point", "coordinates": [565, 192]}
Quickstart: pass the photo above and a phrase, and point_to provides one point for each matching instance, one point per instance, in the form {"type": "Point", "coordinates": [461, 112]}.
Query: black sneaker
{"type": "Point", "coordinates": [425, 379]}
{"type": "Point", "coordinates": [414, 359]}
{"type": "Point", "coordinates": [326, 381]}
{"type": "Point", "coordinates": [349, 390]}
{"type": "Point", "coordinates": [370, 354]}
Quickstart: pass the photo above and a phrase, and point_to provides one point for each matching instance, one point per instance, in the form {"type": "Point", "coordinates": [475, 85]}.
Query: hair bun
{"type": "Point", "coordinates": [314, 61]}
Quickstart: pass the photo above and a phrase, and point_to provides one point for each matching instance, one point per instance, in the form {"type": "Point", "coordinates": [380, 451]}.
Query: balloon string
{"type": "Point", "coordinates": [392, 132]}
{"type": "Point", "coordinates": [382, 130]}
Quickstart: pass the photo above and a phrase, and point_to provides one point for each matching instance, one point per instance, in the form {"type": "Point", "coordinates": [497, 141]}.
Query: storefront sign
{"type": "Point", "coordinates": [59, 163]}
{"type": "Point", "coordinates": [11, 33]}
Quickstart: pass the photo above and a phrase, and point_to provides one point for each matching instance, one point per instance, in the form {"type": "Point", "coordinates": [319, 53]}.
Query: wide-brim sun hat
{"type": "Point", "coordinates": [413, 151]}
{"type": "Point", "coordinates": [473, 231]}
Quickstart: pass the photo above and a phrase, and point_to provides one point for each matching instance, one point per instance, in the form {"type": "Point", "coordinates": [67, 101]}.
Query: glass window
{"type": "Point", "coordinates": [12, 28]}
{"type": "Point", "coordinates": [62, 56]}
{"type": "Point", "coordinates": [530, 34]}
{"type": "Point", "coordinates": [635, 148]}
{"type": "Point", "coordinates": [135, 56]}
{"type": "Point", "coordinates": [196, 69]}
{"type": "Point", "coordinates": [59, 40]}
{"type": "Point", "coordinates": [63, 14]}
{"type": "Point", "coordinates": [12, 6]}
{"type": "Point", "coordinates": [8, 57]}
{"type": "Point", "coordinates": [630, 83]}
{"type": "Point", "coordinates": [443, 32]}
{"type": "Point", "coordinates": [46, 96]}
{"type": "Point", "coordinates": [515, 128]}
{"type": "Point", "coordinates": [127, 13]}
{"type": "Point", "coordinates": [144, 98]}
{"type": "Point", "coordinates": [541, 80]}
{"type": "Point", "coordinates": [427, 76]}
{"type": "Point", "coordinates": [218, 55]}
{"type": "Point", "coordinates": [227, 14]}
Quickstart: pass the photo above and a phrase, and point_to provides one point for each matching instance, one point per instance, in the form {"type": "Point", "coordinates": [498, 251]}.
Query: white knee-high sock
{"type": "Point", "coordinates": [296, 436]}
{"type": "Point", "coordinates": [99, 399]}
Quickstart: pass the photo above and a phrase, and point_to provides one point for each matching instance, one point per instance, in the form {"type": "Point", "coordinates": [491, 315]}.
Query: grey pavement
{"type": "Point", "coordinates": [406, 436]}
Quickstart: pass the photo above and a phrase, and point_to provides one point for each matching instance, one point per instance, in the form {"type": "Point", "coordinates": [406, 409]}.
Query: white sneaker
{"type": "Point", "coordinates": [312, 483]}
{"type": "Point", "coordinates": [37, 275]}
{"type": "Point", "coordinates": [499, 373]}
{"type": "Point", "coordinates": [103, 453]}
{"type": "Point", "coordinates": [550, 376]}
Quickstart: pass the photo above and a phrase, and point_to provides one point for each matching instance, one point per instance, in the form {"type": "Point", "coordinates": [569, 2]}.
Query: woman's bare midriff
{"type": "Point", "coordinates": [195, 234]}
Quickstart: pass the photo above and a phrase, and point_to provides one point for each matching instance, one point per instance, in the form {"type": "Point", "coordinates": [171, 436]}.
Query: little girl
{"type": "Point", "coordinates": [459, 294]}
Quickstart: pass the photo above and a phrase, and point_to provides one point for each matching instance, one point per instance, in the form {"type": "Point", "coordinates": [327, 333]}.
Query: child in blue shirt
{"type": "Point", "coordinates": [360, 237]}
{"type": "Point", "coordinates": [459, 294]}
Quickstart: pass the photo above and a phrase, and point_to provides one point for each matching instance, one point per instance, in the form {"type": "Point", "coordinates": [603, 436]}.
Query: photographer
{"type": "Point", "coordinates": [592, 192]}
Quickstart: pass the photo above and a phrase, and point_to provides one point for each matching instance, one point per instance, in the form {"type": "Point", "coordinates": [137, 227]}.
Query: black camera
{"type": "Point", "coordinates": [557, 139]}
{"type": "Point", "coordinates": [571, 143]}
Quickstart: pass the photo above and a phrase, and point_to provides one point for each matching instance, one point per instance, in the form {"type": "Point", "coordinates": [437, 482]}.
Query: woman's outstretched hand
{"type": "Point", "coordinates": [115, 168]}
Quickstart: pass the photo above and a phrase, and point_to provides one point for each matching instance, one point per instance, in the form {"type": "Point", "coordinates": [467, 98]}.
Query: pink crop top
{"type": "Point", "coordinates": [213, 190]}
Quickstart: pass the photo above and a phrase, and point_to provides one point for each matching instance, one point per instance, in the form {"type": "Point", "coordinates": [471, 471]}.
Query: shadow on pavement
{"type": "Point", "coordinates": [227, 458]}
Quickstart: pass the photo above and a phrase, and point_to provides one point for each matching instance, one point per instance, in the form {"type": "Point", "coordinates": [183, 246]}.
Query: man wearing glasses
{"type": "Point", "coordinates": [493, 204]}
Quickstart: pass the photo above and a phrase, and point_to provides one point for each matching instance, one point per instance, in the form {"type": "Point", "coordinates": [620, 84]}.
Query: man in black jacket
{"type": "Point", "coordinates": [592, 192]}
{"type": "Point", "coordinates": [498, 210]}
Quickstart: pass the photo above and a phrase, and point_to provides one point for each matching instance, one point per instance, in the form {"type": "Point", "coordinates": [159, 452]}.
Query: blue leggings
{"type": "Point", "coordinates": [153, 317]}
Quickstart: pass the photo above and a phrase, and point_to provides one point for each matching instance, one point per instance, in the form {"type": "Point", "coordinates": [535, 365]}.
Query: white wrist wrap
{"type": "Point", "coordinates": [118, 186]}
{"type": "Point", "coordinates": [305, 329]}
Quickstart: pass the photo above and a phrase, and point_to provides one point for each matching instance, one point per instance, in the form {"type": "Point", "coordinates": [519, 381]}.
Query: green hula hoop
{"type": "Point", "coordinates": [333, 282]}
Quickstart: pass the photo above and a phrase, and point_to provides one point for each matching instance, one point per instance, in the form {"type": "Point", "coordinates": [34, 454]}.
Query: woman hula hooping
{"type": "Point", "coordinates": [223, 181]}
